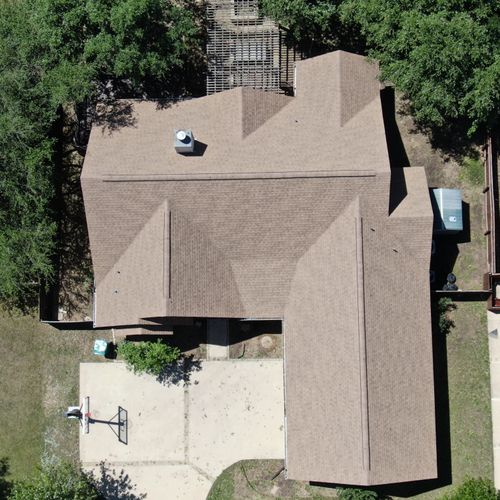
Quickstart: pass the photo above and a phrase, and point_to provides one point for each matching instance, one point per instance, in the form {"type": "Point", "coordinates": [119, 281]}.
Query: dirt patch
{"type": "Point", "coordinates": [250, 479]}
{"type": "Point", "coordinates": [463, 254]}
{"type": "Point", "coordinates": [255, 339]}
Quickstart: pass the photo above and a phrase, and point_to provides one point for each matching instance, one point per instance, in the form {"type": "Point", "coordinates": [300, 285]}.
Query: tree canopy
{"type": "Point", "coordinates": [443, 55]}
{"type": "Point", "coordinates": [55, 53]}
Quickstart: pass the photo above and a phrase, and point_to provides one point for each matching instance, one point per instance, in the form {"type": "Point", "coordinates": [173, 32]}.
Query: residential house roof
{"type": "Point", "coordinates": [282, 212]}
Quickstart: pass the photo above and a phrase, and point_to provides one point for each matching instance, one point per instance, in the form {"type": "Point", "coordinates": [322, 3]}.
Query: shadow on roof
{"type": "Point", "coordinates": [199, 149]}
{"type": "Point", "coordinates": [398, 158]}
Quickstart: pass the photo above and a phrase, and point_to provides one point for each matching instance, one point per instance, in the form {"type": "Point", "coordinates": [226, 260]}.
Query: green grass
{"type": "Point", "coordinates": [39, 377]}
{"type": "Point", "coordinates": [223, 488]}
{"type": "Point", "coordinates": [472, 171]}
{"type": "Point", "coordinates": [469, 392]}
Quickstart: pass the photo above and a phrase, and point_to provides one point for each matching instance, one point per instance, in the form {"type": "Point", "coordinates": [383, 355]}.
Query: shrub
{"type": "Point", "coordinates": [441, 309]}
{"type": "Point", "coordinates": [147, 357]}
{"type": "Point", "coordinates": [356, 494]}
{"type": "Point", "coordinates": [474, 489]}
{"type": "Point", "coordinates": [57, 481]}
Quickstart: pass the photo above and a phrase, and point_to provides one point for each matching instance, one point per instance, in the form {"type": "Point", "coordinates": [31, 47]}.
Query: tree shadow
{"type": "Point", "coordinates": [180, 372]}
{"type": "Point", "coordinates": [115, 485]}
{"type": "Point", "coordinates": [71, 289]}
{"type": "Point", "coordinates": [114, 115]}
{"type": "Point", "coordinates": [5, 484]}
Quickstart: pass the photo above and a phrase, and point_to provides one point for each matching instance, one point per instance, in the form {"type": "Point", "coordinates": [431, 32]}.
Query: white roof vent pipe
{"type": "Point", "coordinates": [183, 141]}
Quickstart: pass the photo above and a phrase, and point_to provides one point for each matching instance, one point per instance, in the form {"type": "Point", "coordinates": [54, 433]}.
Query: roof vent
{"type": "Point", "coordinates": [183, 141]}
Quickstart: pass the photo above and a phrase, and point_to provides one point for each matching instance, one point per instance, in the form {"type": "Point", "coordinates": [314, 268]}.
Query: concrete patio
{"type": "Point", "coordinates": [181, 436]}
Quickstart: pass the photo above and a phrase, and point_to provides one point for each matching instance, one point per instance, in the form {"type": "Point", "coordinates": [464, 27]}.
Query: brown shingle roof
{"type": "Point", "coordinates": [284, 215]}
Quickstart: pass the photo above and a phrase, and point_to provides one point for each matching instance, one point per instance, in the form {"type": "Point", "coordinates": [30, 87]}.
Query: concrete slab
{"type": "Point", "coordinates": [494, 348]}
{"type": "Point", "coordinates": [182, 436]}
{"type": "Point", "coordinates": [152, 410]}
{"type": "Point", "coordinates": [157, 481]}
{"type": "Point", "coordinates": [495, 379]}
{"type": "Point", "coordinates": [236, 411]}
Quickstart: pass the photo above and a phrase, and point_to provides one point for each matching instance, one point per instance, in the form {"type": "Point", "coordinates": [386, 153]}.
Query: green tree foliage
{"type": "Point", "coordinates": [147, 47]}
{"type": "Point", "coordinates": [61, 52]}
{"type": "Point", "coordinates": [5, 484]}
{"type": "Point", "coordinates": [26, 228]}
{"type": "Point", "coordinates": [60, 481]}
{"type": "Point", "coordinates": [315, 25]}
{"type": "Point", "coordinates": [148, 357]}
{"type": "Point", "coordinates": [443, 55]}
{"type": "Point", "coordinates": [474, 489]}
{"type": "Point", "coordinates": [305, 20]}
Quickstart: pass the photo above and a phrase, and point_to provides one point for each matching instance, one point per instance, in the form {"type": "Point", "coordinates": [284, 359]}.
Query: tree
{"type": "Point", "coordinates": [474, 489]}
{"type": "Point", "coordinates": [55, 54]}
{"type": "Point", "coordinates": [442, 55]}
{"type": "Point", "coordinates": [148, 357]}
{"type": "Point", "coordinates": [59, 481]}
{"type": "Point", "coordinates": [5, 484]}
{"type": "Point", "coordinates": [145, 48]}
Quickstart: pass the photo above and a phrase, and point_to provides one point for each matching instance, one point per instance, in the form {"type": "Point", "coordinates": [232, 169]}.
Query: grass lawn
{"type": "Point", "coordinates": [470, 422]}
{"type": "Point", "coordinates": [38, 380]}
{"type": "Point", "coordinates": [469, 393]}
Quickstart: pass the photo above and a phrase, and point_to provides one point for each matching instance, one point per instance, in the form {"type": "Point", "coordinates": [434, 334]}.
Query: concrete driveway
{"type": "Point", "coordinates": [181, 436]}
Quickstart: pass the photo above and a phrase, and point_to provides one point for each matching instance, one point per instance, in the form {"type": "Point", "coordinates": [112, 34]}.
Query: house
{"type": "Point", "coordinates": [286, 210]}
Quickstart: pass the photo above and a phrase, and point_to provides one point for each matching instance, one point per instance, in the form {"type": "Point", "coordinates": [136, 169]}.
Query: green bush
{"type": "Point", "coordinates": [474, 489]}
{"type": "Point", "coordinates": [59, 481]}
{"type": "Point", "coordinates": [148, 357]}
{"type": "Point", "coordinates": [356, 494]}
{"type": "Point", "coordinates": [443, 307]}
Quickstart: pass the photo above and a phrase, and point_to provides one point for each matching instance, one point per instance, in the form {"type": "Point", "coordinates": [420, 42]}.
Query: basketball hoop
{"type": "Point", "coordinates": [118, 423]}
{"type": "Point", "coordinates": [85, 415]}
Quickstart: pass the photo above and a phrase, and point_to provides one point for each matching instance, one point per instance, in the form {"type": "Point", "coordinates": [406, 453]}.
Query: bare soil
{"type": "Point", "coordinates": [255, 339]}
{"type": "Point", "coordinates": [465, 253]}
